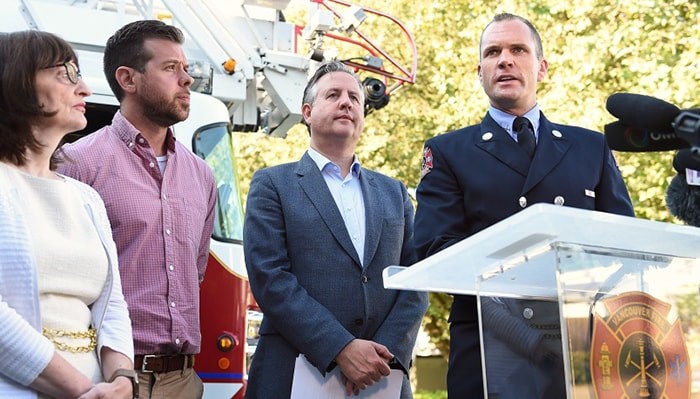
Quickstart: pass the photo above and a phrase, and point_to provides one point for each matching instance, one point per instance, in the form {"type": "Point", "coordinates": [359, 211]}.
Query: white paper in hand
{"type": "Point", "coordinates": [309, 383]}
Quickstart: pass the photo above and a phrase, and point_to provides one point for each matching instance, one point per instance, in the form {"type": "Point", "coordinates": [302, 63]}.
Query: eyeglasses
{"type": "Point", "coordinates": [72, 71]}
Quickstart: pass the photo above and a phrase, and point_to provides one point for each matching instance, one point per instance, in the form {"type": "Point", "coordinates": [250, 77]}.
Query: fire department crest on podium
{"type": "Point", "coordinates": [637, 352]}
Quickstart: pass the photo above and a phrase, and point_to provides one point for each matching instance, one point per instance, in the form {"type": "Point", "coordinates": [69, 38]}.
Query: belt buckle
{"type": "Point", "coordinates": [145, 362]}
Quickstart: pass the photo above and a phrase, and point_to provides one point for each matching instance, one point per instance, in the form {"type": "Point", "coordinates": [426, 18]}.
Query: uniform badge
{"type": "Point", "coordinates": [427, 164]}
{"type": "Point", "coordinates": [638, 350]}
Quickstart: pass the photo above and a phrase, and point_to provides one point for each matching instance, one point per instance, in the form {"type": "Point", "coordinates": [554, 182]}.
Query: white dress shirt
{"type": "Point", "coordinates": [347, 194]}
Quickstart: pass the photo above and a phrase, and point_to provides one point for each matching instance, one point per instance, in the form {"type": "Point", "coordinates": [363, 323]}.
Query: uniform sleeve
{"type": "Point", "coordinates": [611, 194]}
{"type": "Point", "coordinates": [440, 216]}
{"type": "Point", "coordinates": [511, 331]}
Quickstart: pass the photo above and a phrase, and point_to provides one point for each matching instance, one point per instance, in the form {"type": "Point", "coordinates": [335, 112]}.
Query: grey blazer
{"type": "Point", "coordinates": [308, 280]}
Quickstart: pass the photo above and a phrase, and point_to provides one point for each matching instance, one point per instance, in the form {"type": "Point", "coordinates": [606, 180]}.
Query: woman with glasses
{"type": "Point", "coordinates": [64, 325]}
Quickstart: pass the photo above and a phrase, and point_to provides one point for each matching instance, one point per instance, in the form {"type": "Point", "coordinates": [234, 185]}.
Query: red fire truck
{"type": "Point", "coordinates": [250, 71]}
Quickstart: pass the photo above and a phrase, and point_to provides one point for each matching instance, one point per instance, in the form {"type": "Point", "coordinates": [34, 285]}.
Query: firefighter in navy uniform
{"type": "Point", "coordinates": [477, 176]}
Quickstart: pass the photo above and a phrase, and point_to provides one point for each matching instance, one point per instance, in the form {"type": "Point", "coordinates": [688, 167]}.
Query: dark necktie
{"type": "Point", "coordinates": [526, 137]}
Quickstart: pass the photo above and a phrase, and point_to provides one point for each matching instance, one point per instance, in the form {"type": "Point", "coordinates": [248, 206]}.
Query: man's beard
{"type": "Point", "coordinates": [161, 111]}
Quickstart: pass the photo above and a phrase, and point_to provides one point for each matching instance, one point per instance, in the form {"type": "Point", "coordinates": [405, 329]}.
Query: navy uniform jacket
{"type": "Point", "coordinates": [315, 294]}
{"type": "Point", "coordinates": [477, 176]}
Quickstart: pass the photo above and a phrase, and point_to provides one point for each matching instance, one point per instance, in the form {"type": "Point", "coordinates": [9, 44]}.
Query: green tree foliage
{"type": "Point", "coordinates": [594, 48]}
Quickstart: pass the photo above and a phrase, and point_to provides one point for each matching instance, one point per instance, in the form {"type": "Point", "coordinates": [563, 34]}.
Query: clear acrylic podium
{"type": "Point", "coordinates": [628, 294]}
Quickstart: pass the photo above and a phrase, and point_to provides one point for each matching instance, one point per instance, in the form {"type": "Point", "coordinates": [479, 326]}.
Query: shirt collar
{"type": "Point", "coordinates": [129, 134]}
{"type": "Point", "coordinates": [505, 120]}
{"type": "Point", "coordinates": [322, 162]}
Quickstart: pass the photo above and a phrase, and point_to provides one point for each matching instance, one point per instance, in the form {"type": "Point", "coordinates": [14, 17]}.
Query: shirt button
{"type": "Point", "coordinates": [130, 144]}
{"type": "Point", "coordinates": [171, 267]}
{"type": "Point", "coordinates": [528, 313]}
{"type": "Point", "coordinates": [165, 196]}
{"type": "Point", "coordinates": [177, 341]}
{"type": "Point", "coordinates": [151, 164]}
{"type": "Point", "coordinates": [141, 140]}
{"type": "Point", "coordinates": [167, 231]}
{"type": "Point", "coordinates": [172, 304]}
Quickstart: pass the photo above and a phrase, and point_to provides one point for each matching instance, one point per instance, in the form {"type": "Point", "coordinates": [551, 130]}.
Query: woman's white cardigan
{"type": "Point", "coordinates": [24, 351]}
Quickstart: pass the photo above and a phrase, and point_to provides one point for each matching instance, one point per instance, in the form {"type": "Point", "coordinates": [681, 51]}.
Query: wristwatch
{"type": "Point", "coordinates": [130, 374]}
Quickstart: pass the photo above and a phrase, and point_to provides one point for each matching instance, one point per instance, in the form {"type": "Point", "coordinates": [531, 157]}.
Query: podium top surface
{"type": "Point", "coordinates": [533, 231]}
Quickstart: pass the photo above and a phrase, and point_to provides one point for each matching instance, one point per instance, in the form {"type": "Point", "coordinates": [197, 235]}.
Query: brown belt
{"type": "Point", "coordinates": [162, 363]}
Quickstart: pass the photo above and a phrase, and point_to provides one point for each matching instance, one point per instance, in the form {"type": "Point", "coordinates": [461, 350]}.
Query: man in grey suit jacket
{"type": "Point", "coordinates": [318, 233]}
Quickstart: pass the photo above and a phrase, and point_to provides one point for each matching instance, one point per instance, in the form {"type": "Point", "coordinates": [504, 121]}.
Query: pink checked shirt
{"type": "Point", "coordinates": [162, 225]}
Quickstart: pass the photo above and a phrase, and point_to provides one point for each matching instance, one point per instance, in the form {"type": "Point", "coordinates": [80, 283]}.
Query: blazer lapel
{"type": "Point", "coordinates": [374, 218]}
{"type": "Point", "coordinates": [315, 188]}
{"type": "Point", "coordinates": [551, 147]}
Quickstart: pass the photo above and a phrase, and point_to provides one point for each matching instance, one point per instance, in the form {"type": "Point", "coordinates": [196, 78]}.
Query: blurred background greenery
{"type": "Point", "coordinates": [430, 395]}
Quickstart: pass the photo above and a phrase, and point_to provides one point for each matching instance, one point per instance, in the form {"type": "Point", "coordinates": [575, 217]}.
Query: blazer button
{"type": "Point", "coordinates": [359, 322]}
{"type": "Point", "coordinates": [528, 313]}
{"type": "Point", "coordinates": [365, 278]}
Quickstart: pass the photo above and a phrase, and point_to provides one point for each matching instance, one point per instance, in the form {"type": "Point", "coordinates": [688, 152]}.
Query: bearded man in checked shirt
{"type": "Point", "coordinates": [160, 200]}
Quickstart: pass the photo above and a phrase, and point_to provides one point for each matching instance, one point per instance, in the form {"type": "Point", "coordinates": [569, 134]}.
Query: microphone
{"type": "Point", "coordinates": [687, 125]}
{"type": "Point", "coordinates": [647, 124]}
{"type": "Point", "coordinates": [644, 111]}
{"type": "Point", "coordinates": [630, 138]}
{"type": "Point", "coordinates": [688, 158]}
{"type": "Point", "coordinates": [682, 199]}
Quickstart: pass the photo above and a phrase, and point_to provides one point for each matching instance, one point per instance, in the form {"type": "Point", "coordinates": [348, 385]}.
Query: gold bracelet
{"type": "Point", "coordinates": [53, 336]}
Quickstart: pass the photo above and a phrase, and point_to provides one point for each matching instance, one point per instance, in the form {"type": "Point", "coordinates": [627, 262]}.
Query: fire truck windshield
{"type": "Point", "coordinates": [213, 144]}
